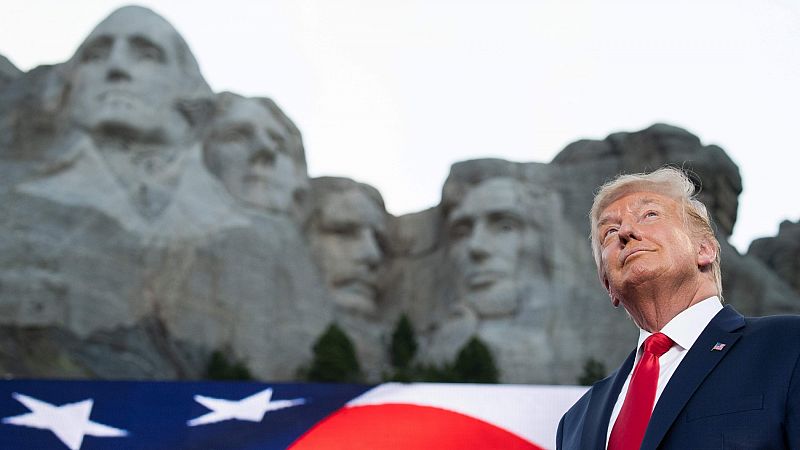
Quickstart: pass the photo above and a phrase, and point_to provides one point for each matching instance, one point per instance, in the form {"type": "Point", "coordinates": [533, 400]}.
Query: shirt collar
{"type": "Point", "coordinates": [685, 328]}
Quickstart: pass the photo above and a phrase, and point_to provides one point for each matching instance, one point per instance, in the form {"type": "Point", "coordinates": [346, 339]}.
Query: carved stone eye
{"type": "Point", "coordinates": [235, 134]}
{"type": "Point", "coordinates": [460, 229]}
{"type": "Point", "coordinates": [144, 50]}
{"type": "Point", "coordinates": [344, 230]}
{"type": "Point", "coordinates": [503, 223]}
{"type": "Point", "coordinates": [97, 50]}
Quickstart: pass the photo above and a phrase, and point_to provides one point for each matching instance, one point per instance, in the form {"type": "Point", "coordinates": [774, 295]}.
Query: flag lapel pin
{"type": "Point", "coordinates": [718, 347]}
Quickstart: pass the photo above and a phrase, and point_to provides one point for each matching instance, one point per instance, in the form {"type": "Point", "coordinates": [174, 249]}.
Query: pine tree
{"type": "Point", "coordinates": [593, 371]}
{"type": "Point", "coordinates": [404, 344]}
{"type": "Point", "coordinates": [335, 358]}
{"type": "Point", "coordinates": [475, 364]}
{"type": "Point", "coordinates": [219, 368]}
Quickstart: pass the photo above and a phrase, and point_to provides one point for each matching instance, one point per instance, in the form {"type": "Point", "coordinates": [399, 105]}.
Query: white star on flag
{"type": "Point", "coordinates": [69, 422]}
{"type": "Point", "coordinates": [250, 408]}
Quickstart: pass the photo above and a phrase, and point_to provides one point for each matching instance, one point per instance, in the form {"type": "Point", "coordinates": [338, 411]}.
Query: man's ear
{"type": "Point", "coordinates": [607, 285]}
{"type": "Point", "coordinates": [706, 253]}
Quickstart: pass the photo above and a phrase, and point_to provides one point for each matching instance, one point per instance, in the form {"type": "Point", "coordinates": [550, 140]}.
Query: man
{"type": "Point", "coordinates": [347, 233]}
{"type": "Point", "coordinates": [257, 153]}
{"type": "Point", "coordinates": [704, 377]}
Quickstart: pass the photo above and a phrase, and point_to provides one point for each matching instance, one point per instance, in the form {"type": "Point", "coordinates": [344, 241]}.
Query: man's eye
{"type": "Point", "coordinates": [609, 232]}
{"type": "Point", "coordinates": [651, 214]}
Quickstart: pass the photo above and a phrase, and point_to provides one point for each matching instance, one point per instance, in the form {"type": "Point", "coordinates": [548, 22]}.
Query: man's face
{"type": "Point", "coordinates": [487, 233]}
{"type": "Point", "coordinates": [248, 150]}
{"type": "Point", "coordinates": [644, 239]}
{"type": "Point", "coordinates": [127, 77]}
{"type": "Point", "coordinates": [347, 238]}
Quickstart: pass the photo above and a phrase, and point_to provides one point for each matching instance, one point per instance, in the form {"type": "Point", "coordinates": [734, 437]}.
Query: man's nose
{"type": "Point", "coordinates": [628, 231]}
{"type": "Point", "coordinates": [118, 64]}
{"type": "Point", "coordinates": [479, 244]}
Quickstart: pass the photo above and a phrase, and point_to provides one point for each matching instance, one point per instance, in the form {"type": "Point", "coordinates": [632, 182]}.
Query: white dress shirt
{"type": "Point", "coordinates": [683, 329]}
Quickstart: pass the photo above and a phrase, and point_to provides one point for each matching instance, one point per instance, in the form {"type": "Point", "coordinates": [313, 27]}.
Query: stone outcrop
{"type": "Point", "coordinates": [148, 222]}
{"type": "Point", "coordinates": [8, 72]}
{"type": "Point", "coordinates": [114, 229]}
{"type": "Point", "coordinates": [781, 253]}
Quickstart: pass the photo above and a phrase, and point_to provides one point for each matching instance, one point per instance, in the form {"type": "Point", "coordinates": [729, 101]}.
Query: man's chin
{"type": "Point", "coordinates": [634, 280]}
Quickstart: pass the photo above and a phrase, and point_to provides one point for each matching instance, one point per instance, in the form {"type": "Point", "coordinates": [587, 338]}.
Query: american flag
{"type": "Point", "coordinates": [88, 415]}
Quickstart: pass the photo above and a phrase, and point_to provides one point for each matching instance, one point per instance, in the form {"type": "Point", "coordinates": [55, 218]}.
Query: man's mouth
{"type": "Point", "coordinates": [627, 254]}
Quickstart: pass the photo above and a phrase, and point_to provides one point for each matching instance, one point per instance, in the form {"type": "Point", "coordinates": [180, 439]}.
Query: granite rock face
{"type": "Point", "coordinates": [115, 229]}
{"type": "Point", "coordinates": [148, 222]}
{"type": "Point", "coordinates": [781, 253]}
{"type": "Point", "coordinates": [501, 259]}
{"type": "Point", "coordinates": [8, 72]}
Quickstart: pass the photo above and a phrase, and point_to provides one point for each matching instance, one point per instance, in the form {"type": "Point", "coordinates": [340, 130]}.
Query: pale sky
{"type": "Point", "coordinates": [392, 93]}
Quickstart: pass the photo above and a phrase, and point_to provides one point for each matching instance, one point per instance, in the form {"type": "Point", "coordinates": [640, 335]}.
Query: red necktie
{"type": "Point", "coordinates": [631, 423]}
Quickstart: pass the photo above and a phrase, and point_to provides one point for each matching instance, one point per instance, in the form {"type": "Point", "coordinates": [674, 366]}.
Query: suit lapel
{"type": "Point", "coordinates": [604, 396]}
{"type": "Point", "coordinates": [691, 372]}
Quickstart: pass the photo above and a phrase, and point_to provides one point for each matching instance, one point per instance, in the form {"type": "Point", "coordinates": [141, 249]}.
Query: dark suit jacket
{"type": "Point", "coordinates": [746, 396]}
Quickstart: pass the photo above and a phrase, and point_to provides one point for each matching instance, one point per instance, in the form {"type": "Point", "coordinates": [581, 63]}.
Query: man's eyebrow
{"type": "Point", "coordinates": [647, 201]}
{"type": "Point", "coordinates": [605, 219]}
{"type": "Point", "coordinates": [644, 201]}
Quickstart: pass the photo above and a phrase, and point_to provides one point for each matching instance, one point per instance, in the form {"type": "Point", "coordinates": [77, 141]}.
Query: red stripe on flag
{"type": "Point", "coordinates": [404, 426]}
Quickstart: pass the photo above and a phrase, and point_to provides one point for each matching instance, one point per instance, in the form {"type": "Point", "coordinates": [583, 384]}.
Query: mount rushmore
{"type": "Point", "coordinates": [149, 222]}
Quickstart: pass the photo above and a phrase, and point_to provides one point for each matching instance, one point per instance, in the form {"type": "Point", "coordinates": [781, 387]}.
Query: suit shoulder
{"type": "Point", "coordinates": [581, 404]}
{"type": "Point", "coordinates": [571, 425]}
{"type": "Point", "coordinates": [781, 325]}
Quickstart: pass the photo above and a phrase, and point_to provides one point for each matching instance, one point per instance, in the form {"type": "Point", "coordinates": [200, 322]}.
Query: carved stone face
{"type": "Point", "coordinates": [249, 151]}
{"type": "Point", "coordinates": [487, 235]}
{"type": "Point", "coordinates": [346, 239]}
{"type": "Point", "coordinates": [127, 77]}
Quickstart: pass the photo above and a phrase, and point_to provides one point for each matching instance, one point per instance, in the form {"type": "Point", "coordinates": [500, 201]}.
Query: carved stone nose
{"type": "Point", "coordinates": [117, 74]}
